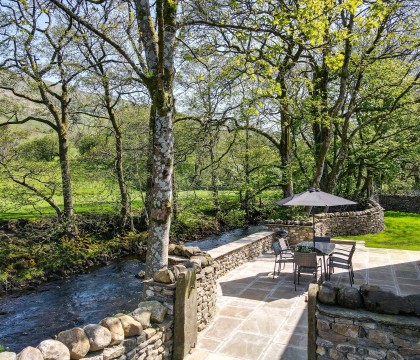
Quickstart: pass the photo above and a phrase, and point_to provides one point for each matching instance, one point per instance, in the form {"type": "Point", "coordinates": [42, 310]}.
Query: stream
{"type": "Point", "coordinates": [28, 318]}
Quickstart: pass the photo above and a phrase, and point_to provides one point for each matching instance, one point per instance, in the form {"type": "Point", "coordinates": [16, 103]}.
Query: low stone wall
{"type": "Point", "coordinates": [146, 333]}
{"type": "Point", "coordinates": [369, 221]}
{"type": "Point", "coordinates": [163, 286]}
{"type": "Point", "coordinates": [405, 203]}
{"type": "Point", "coordinates": [236, 253]}
{"type": "Point", "coordinates": [298, 231]}
{"type": "Point", "coordinates": [347, 323]}
{"type": "Point", "coordinates": [209, 266]}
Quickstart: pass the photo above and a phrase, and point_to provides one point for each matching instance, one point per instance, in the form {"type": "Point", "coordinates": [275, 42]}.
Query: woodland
{"type": "Point", "coordinates": [117, 115]}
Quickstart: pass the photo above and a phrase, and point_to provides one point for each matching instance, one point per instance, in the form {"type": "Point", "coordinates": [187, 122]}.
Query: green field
{"type": "Point", "coordinates": [402, 231]}
{"type": "Point", "coordinates": [98, 196]}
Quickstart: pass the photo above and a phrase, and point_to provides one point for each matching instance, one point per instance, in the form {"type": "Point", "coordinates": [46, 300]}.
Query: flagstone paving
{"type": "Point", "coordinates": [261, 318]}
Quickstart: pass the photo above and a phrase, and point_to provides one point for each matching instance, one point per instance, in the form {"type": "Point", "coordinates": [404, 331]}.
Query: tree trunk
{"type": "Point", "coordinates": [120, 176]}
{"type": "Point", "coordinates": [118, 164]}
{"type": "Point", "coordinates": [68, 212]}
{"type": "Point", "coordinates": [286, 159]}
{"type": "Point", "coordinates": [214, 188]}
{"type": "Point", "coordinates": [323, 138]}
{"type": "Point", "coordinates": [161, 185]}
{"type": "Point", "coordinates": [149, 164]}
{"type": "Point", "coordinates": [247, 192]}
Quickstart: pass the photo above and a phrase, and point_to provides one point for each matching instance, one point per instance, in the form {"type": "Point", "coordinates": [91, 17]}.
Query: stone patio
{"type": "Point", "coordinates": [261, 318]}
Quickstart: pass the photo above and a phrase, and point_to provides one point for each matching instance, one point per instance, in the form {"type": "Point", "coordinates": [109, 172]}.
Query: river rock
{"type": "Point", "coordinates": [54, 350]}
{"type": "Point", "coordinates": [30, 353]}
{"type": "Point", "coordinates": [189, 251]}
{"type": "Point", "coordinates": [178, 269]}
{"type": "Point", "coordinates": [171, 249]}
{"type": "Point", "coordinates": [164, 275]}
{"type": "Point", "coordinates": [384, 302]}
{"type": "Point", "coordinates": [158, 311]}
{"type": "Point", "coordinates": [141, 274]}
{"type": "Point", "coordinates": [202, 259]}
{"type": "Point", "coordinates": [178, 250]}
{"type": "Point", "coordinates": [195, 264]}
{"type": "Point", "coordinates": [99, 336]}
{"type": "Point", "coordinates": [349, 297]}
{"type": "Point", "coordinates": [131, 327]}
{"type": "Point", "coordinates": [327, 293]}
{"type": "Point", "coordinates": [142, 316]}
{"type": "Point", "coordinates": [175, 271]}
{"type": "Point", "coordinates": [76, 341]}
{"type": "Point", "coordinates": [7, 355]}
{"type": "Point", "coordinates": [113, 324]}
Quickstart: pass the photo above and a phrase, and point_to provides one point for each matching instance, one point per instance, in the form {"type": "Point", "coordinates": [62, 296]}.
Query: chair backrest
{"type": "Point", "coordinates": [348, 258]}
{"type": "Point", "coordinates": [306, 259]}
{"type": "Point", "coordinates": [283, 244]}
{"type": "Point", "coordinates": [276, 248]}
{"type": "Point", "coordinates": [353, 249]}
{"type": "Point", "coordinates": [323, 239]}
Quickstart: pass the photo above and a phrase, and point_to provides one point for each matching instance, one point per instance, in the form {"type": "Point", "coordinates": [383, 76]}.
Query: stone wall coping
{"type": "Point", "coordinates": [235, 245]}
{"type": "Point", "coordinates": [364, 315]}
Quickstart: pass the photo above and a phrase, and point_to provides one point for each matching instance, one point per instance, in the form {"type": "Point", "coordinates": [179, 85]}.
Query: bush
{"type": "Point", "coordinates": [44, 148]}
{"type": "Point", "coordinates": [189, 223]}
{"type": "Point", "coordinates": [234, 218]}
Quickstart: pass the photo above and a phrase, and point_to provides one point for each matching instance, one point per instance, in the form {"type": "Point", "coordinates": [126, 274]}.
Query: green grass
{"type": "Point", "coordinates": [402, 231]}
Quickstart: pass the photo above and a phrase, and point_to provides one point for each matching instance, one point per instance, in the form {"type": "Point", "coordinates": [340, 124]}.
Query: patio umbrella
{"type": "Point", "coordinates": [314, 197]}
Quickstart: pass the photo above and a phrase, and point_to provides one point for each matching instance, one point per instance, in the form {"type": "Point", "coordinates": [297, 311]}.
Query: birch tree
{"type": "Point", "coordinates": [144, 34]}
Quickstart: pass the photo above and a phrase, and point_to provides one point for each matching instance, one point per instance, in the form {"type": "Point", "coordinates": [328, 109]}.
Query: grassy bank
{"type": "Point", "coordinates": [28, 262]}
{"type": "Point", "coordinates": [402, 231]}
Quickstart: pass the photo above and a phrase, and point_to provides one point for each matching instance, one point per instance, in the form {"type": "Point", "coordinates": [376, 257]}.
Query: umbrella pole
{"type": "Point", "coordinates": [313, 228]}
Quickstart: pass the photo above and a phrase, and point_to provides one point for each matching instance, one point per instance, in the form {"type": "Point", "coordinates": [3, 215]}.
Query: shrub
{"type": "Point", "coordinates": [44, 148]}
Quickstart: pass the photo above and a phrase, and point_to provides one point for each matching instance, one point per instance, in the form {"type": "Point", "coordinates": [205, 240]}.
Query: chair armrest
{"type": "Point", "coordinates": [339, 253]}
{"type": "Point", "coordinates": [343, 248]}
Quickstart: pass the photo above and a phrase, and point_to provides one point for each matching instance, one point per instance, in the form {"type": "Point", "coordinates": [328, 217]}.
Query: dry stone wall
{"type": "Point", "coordinates": [236, 253]}
{"type": "Point", "coordinates": [369, 221]}
{"type": "Point", "coordinates": [209, 266]}
{"type": "Point", "coordinates": [163, 286]}
{"type": "Point", "coordinates": [298, 231]}
{"type": "Point", "coordinates": [146, 333]}
{"type": "Point", "coordinates": [365, 323]}
{"type": "Point", "coordinates": [405, 203]}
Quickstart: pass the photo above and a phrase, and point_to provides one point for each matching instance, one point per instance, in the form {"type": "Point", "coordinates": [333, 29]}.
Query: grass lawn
{"type": "Point", "coordinates": [402, 231]}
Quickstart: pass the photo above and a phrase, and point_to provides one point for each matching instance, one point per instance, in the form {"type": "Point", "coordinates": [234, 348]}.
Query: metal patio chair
{"type": "Point", "coordinates": [342, 259]}
{"type": "Point", "coordinates": [283, 254]}
{"type": "Point", "coordinates": [306, 263]}
{"type": "Point", "coordinates": [323, 239]}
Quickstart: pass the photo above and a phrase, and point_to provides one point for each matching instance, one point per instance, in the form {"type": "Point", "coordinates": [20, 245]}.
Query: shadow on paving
{"type": "Point", "coordinates": [279, 298]}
